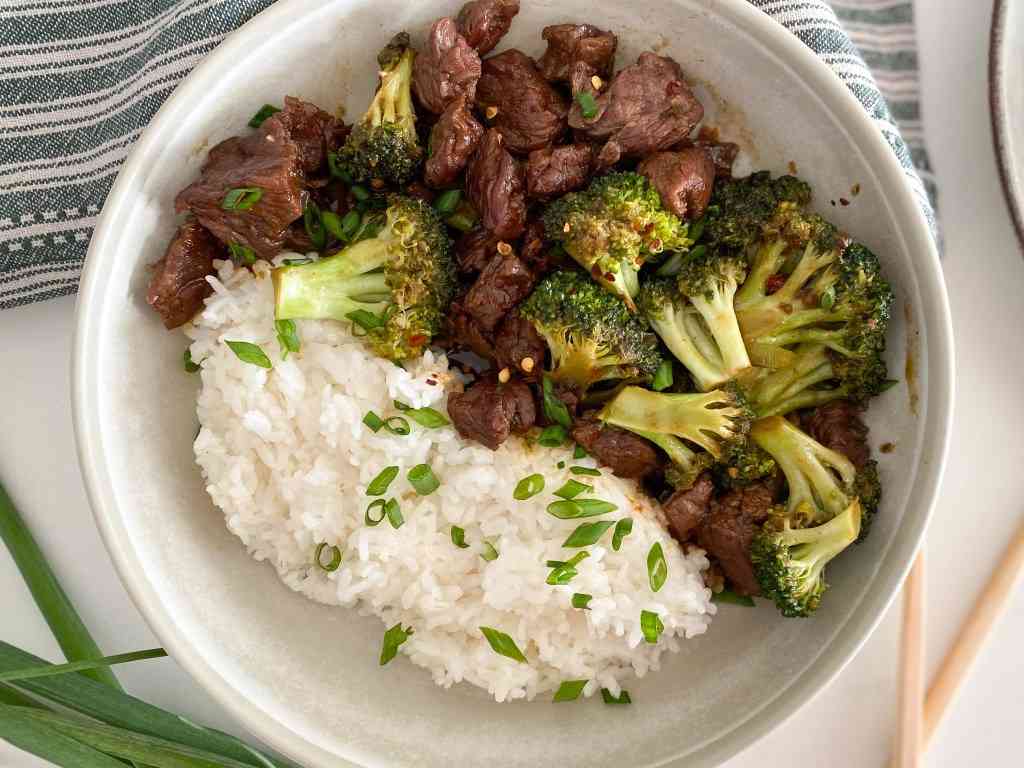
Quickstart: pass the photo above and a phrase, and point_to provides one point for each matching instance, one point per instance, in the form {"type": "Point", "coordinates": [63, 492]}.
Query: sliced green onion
{"type": "Point", "coordinates": [489, 553]}
{"type": "Point", "coordinates": [379, 485]}
{"type": "Point", "coordinates": [242, 253]}
{"type": "Point", "coordinates": [554, 409]}
{"type": "Point", "coordinates": [250, 353]}
{"type": "Point", "coordinates": [447, 202]}
{"type": "Point", "coordinates": [560, 465]}
{"type": "Point", "coordinates": [585, 471]}
{"type": "Point", "coordinates": [579, 452]}
{"type": "Point", "coordinates": [696, 228]}
{"type": "Point", "coordinates": [459, 537]}
{"type": "Point", "coordinates": [241, 198]}
{"type": "Point", "coordinates": [425, 417]}
{"type": "Point", "coordinates": [422, 478]}
{"type": "Point", "coordinates": [503, 644]}
{"type": "Point", "coordinates": [662, 377]}
{"type": "Point", "coordinates": [587, 534]}
{"type": "Point", "coordinates": [572, 489]}
{"type": "Point", "coordinates": [365, 319]}
{"type": "Point", "coordinates": [529, 486]}
{"type": "Point", "coordinates": [394, 513]}
{"type": "Point", "coordinates": [287, 337]}
{"type": "Point", "coordinates": [314, 223]}
{"type": "Point", "coordinates": [373, 421]}
{"type": "Point", "coordinates": [46, 670]}
{"type": "Point", "coordinates": [657, 568]}
{"type": "Point", "coordinates": [362, 194]}
{"type": "Point", "coordinates": [332, 223]}
{"type": "Point", "coordinates": [622, 529]}
{"type": "Point", "coordinates": [564, 572]}
{"type": "Point", "coordinates": [623, 697]}
{"type": "Point", "coordinates": [461, 222]}
{"type": "Point", "coordinates": [350, 224]}
{"type": "Point", "coordinates": [581, 600]}
{"type": "Point", "coordinates": [732, 598]}
{"type": "Point", "coordinates": [588, 104]}
{"type": "Point", "coordinates": [393, 638]}
{"type": "Point", "coordinates": [396, 425]}
{"type": "Point", "coordinates": [376, 512]}
{"type": "Point", "coordinates": [298, 262]}
{"type": "Point", "coordinates": [335, 555]}
{"type": "Point", "coordinates": [335, 168]}
{"type": "Point", "coordinates": [190, 366]}
{"type": "Point", "coordinates": [651, 626]}
{"type": "Point", "coordinates": [570, 690]}
{"type": "Point", "coordinates": [571, 509]}
{"type": "Point", "coordinates": [553, 436]}
{"type": "Point", "coordinates": [262, 114]}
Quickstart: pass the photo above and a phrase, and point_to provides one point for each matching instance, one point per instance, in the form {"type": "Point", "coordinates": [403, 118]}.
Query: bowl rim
{"type": "Point", "coordinates": [1012, 193]}
{"type": "Point", "coordinates": [849, 636]}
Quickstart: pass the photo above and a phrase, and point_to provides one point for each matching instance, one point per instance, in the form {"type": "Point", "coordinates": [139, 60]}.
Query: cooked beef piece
{"type": "Point", "coordinates": [648, 107]}
{"type": "Point", "coordinates": [178, 285]}
{"type": "Point", "coordinates": [453, 140]}
{"type": "Point", "coordinates": [686, 510]}
{"type": "Point", "coordinates": [530, 112]}
{"type": "Point", "coordinates": [571, 43]}
{"type": "Point", "coordinates": [446, 70]}
{"type": "Point", "coordinates": [503, 283]}
{"type": "Point", "coordinates": [474, 249]}
{"type": "Point", "coordinates": [270, 161]}
{"type": "Point", "coordinates": [484, 22]}
{"type": "Point", "coordinates": [462, 331]}
{"type": "Point", "coordinates": [626, 454]}
{"type": "Point", "coordinates": [297, 239]}
{"type": "Point", "coordinates": [734, 519]}
{"type": "Point", "coordinates": [533, 248]}
{"type": "Point", "coordinates": [516, 341]}
{"type": "Point", "coordinates": [683, 179]}
{"type": "Point", "coordinates": [837, 425]}
{"type": "Point", "coordinates": [723, 155]}
{"type": "Point", "coordinates": [496, 185]}
{"type": "Point", "coordinates": [553, 171]}
{"type": "Point", "coordinates": [488, 412]}
{"type": "Point", "coordinates": [420, 191]}
{"type": "Point", "coordinates": [315, 131]}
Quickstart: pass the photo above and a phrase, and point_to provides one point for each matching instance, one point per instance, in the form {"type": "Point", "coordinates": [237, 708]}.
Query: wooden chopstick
{"type": "Point", "coordinates": [909, 736]}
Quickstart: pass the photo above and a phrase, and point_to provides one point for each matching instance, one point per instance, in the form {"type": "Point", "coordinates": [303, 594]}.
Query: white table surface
{"type": "Point", "coordinates": [850, 724]}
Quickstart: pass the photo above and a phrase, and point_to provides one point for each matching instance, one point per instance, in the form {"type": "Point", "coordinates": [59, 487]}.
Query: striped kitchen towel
{"type": "Point", "coordinates": [80, 79]}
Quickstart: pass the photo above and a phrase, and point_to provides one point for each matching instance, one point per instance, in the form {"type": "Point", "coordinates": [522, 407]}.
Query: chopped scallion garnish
{"type": "Point", "coordinates": [313, 220]}
{"type": "Point", "coordinates": [422, 478]}
{"type": "Point", "coordinates": [333, 557]}
{"type": "Point", "coordinates": [560, 465]}
{"type": "Point", "coordinates": [365, 319]}
{"type": "Point", "coordinates": [376, 512]}
{"type": "Point", "coordinates": [362, 194]}
{"type": "Point", "coordinates": [732, 598]}
{"type": "Point", "coordinates": [622, 529]}
{"type": "Point", "coordinates": [262, 114]}
{"type": "Point", "coordinates": [241, 198]}
{"type": "Point", "coordinates": [553, 436]}
{"type": "Point", "coordinates": [489, 553]}
{"type": "Point", "coordinates": [287, 337]}
{"type": "Point", "coordinates": [587, 534]}
{"type": "Point", "coordinates": [564, 572]}
{"type": "Point", "coordinates": [250, 353]}
{"type": "Point", "coordinates": [554, 409]}
{"type": "Point", "coordinates": [623, 697]}
{"type": "Point", "coordinates": [394, 513]}
{"type": "Point", "coordinates": [459, 537]}
{"type": "Point", "coordinates": [447, 202]}
{"type": "Point", "coordinates": [332, 223]}
{"type": "Point", "coordinates": [588, 104]}
{"type": "Point", "coordinates": [190, 365]}
{"type": "Point", "coordinates": [579, 452]}
{"type": "Point", "coordinates": [396, 425]}
{"type": "Point", "coordinates": [570, 690]}
{"type": "Point", "coordinates": [581, 600]}
{"type": "Point", "coordinates": [503, 644]}
{"type": "Point", "coordinates": [589, 471]}
{"type": "Point", "coordinates": [425, 417]}
{"type": "Point", "coordinates": [529, 486]}
{"type": "Point", "coordinates": [350, 224]}
{"type": "Point", "coordinates": [571, 509]}
{"type": "Point", "coordinates": [393, 638]}
{"type": "Point", "coordinates": [379, 485]}
{"type": "Point", "coordinates": [242, 253]}
{"type": "Point", "coordinates": [657, 568]}
{"type": "Point", "coordinates": [373, 421]}
{"type": "Point", "coordinates": [572, 489]}
{"type": "Point", "coordinates": [651, 626]}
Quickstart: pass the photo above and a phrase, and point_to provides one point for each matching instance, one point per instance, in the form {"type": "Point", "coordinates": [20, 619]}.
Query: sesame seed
{"type": "Point", "coordinates": [597, 82]}
{"type": "Point", "coordinates": [526, 364]}
{"type": "Point", "coordinates": [491, 112]}
{"type": "Point", "coordinates": [504, 375]}
{"type": "Point", "coordinates": [504, 248]}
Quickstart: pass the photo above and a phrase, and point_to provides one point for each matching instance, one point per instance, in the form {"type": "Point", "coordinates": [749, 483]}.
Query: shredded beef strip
{"type": "Point", "coordinates": [488, 412]}
{"type": "Point", "coordinates": [838, 425]}
{"type": "Point", "coordinates": [446, 70]}
{"type": "Point", "coordinates": [484, 22]}
{"type": "Point", "coordinates": [626, 454]}
{"type": "Point", "coordinates": [729, 528]}
{"type": "Point", "coordinates": [496, 185]}
{"type": "Point", "coordinates": [687, 509]}
{"type": "Point", "coordinates": [684, 179]}
{"type": "Point", "coordinates": [453, 140]}
{"type": "Point", "coordinates": [178, 284]}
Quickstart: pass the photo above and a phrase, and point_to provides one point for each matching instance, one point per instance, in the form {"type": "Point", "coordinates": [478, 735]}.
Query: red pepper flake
{"type": "Point", "coordinates": [774, 283]}
{"type": "Point", "coordinates": [431, 382]}
{"type": "Point", "coordinates": [843, 201]}
{"type": "Point", "coordinates": [417, 340]}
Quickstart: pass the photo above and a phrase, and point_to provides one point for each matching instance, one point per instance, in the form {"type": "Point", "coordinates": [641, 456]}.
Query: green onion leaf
{"type": "Point", "coordinates": [657, 568]}
{"type": "Point", "coordinates": [362, 194]}
{"type": "Point", "coordinates": [262, 114]}
{"type": "Point", "coordinates": [373, 421]}
{"type": "Point", "coordinates": [422, 478]}
{"type": "Point", "coordinates": [459, 537]}
{"type": "Point", "coordinates": [461, 221]}
{"type": "Point", "coordinates": [242, 253]}
{"type": "Point", "coordinates": [585, 471]}
{"type": "Point", "coordinates": [489, 553]}
{"type": "Point", "coordinates": [425, 417]}
{"type": "Point", "coordinates": [553, 436]}
{"type": "Point", "coordinates": [528, 487]}
{"type": "Point", "coordinates": [560, 465]}
{"type": "Point", "coordinates": [622, 529]}
{"type": "Point", "coordinates": [314, 223]}
{"type": "Point", "coordinates": [609, 699]}
{"type": "Point", "coordinates": [572, 489]}
{"type": "Point", "coordinates": [696, 229]}
{"type": "Point", "coordinates": [190, 366]}
{"type": "Point", "coordinates": [334, 553]}
{"type": "Point", "coordinates": [332, 224]}
{"type": "Point", "coordinates": [651, 626]}
{"type": "Point", "coordinates": [503, 644]}
{"type": "Point", "coordinates": [587, 534]}
{"type": "Point", "coordinates": [579, 452]}
{"type": "Point", "coordinates": [379, 485]}
{"type": "Point", "coordinates": [250, 353]}
{"type": "Point", "coordinates": [581, 600]}
{"type": "Point", "coordinates": [241, 198]}
{"type": "Point", "coordinates": [45, 670]}
{"type": "Point", "coordinates": [571, 509]}
{"type": "Point", "coordinates": [561, 574]}
{"type": "Point", "coordinates": [365, 319]}
{"type": "Point", "coordinates": [588, 104]}
{"type": "Point", "coordinates": [569, 690]}
{"type": "Point", "coordinates": [393, 638]}
{"type": "Point", "coordinates": [297, 262]}
{"type": "Point", "coordinates": [287, 337]}
{"type": "Point", "coordinates": [732, 598]}
{"type": "Point", "coordinates": [396, 425]}
{"type": "Point", "coordinates": [335, 168]}
{"type": "Point", "coordinates": [376, 512]}
{"type": "Point", "coordinates": [350, 225]}
{"type": "Point", "coordinates": [662, 377]}
{"type": "Point", "coordinates": [554, 409]}
{"type": "Point", "coordinates": [394, 513]}
{"type": "Point", "coordinates": [447, 202]}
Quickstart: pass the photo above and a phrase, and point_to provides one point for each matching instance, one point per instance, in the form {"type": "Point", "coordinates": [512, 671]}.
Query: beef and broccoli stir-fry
{"type": "Point", "coordinates": [575, 229]}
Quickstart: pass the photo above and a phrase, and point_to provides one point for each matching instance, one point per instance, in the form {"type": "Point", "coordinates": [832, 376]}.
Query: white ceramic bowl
{"type": "Point", "coordinates": [303, 676]}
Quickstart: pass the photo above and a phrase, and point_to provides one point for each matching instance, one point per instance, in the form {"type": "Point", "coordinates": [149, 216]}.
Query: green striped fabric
{"type": "Point", "coordinates": [80, 79]}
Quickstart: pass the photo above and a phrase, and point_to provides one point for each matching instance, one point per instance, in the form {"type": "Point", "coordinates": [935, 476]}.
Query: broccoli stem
{"type": "Point", "coordinates": [767, 262]}
{"type": "Point", "coordinates": [816, 546]}
{"type": "Point", "coordinates": [787, 389]}
{"type": "Point", "coordinates": [393, 100]}
{"type": "Point", "coordinates": [717, 311]}
{"type": "Point", "coordinates": [686, 340]}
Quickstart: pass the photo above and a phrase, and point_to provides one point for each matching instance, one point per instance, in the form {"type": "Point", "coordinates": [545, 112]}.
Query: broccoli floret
{"type": "Point", "coordinates": [745, 463]}
{"type": "Point", "coordinates": [741, 207]}
{"type": "Point", "coordinates": [714, 421]}
{"type": "Point", "coordinates": [790, 562]}
{"type": "Point", "coordinates": [384, 145]}
{"type": "Point", "coordinates": [868, 488]}
{"type": "Point", "coordinates": [613, 227]}
{"type": "Point", "coordinates": [591, 334]}
{"type": "Point", "coordinates": [395, 285]}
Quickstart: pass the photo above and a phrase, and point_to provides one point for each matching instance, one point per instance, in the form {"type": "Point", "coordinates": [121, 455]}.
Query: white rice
{"type": "Point", "coordinates": [287, 458]}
